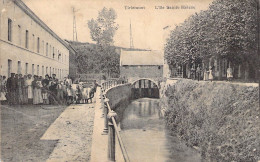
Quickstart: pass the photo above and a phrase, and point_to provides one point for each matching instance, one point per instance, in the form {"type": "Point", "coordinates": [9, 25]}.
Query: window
{"type": "Point", "coordinates": [47, 49]}
{"type": "Point", "coordinates": [19, 35]}
{"type": "Point", "coordinates": [33, 43]}
{"type": "Point", "coordinates": [43, 47]}
{"type": "Point", "coordinates": [42, 70]}
{"type": "Point", "coordinates": [19, 67]}
{"type": "Point", "coordinates": [9, 68]}
{"type": "Point", "coordinates": [50, 50]}
{"type": "Point", "coordinates": [32, 69]}
{"type": "Point", "coordinates": [46, 70]}
{"type": "Point", "coordinates": [50, 71]}
{"type": "Point", "coordinates": [9, 30]}
{"type": "Point", "coordinates": [53, 54]}
{"type": "Point", "coordinates": [26, 68]}
{"type": "Point", "coordinates": [38, 45]}
{"type": "Point", "coordinates": [59, 55]}
{"type": "Point", "coordinates": [26, 38]}
{"type": "Point", "coordinates": [38, 68]}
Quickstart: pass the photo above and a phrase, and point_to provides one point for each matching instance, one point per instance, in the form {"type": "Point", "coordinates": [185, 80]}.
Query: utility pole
{"type": "Point", "coordinates": [75, 36]}
{"type": "Point", "coordinates": [131, 37]}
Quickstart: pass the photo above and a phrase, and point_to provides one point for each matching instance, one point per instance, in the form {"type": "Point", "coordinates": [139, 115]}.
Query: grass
{"type": "Point", "coordinates": [221, 119]}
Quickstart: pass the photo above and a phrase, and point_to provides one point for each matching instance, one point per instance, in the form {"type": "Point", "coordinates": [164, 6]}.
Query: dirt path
{"type": "Point", "coordinates": [73, 129]}
{"type": "Point", "coordinates": [21, 130]}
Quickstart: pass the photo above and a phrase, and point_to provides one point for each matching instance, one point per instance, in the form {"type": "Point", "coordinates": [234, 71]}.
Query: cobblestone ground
{"type": "Point", "coordinates": [22, 128]}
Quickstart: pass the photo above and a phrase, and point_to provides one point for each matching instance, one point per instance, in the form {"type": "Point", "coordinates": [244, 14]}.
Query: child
{"type": "Point", "coordinates": [69, 94]}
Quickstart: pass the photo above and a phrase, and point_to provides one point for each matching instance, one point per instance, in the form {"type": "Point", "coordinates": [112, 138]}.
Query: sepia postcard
{"type": "Point", "coordinates": [129, 80]}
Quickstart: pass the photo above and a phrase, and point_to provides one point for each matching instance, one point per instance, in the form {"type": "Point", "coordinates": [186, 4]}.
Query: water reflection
{"type": "Point", "coordinates": [146, 138]}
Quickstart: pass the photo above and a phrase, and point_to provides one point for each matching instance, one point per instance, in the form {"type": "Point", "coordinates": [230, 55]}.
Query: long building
{"type": "Point", "coordinates": [28, 45]}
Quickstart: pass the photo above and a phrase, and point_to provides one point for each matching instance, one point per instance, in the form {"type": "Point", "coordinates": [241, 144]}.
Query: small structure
{"type": "Point", "coordinates": [136, 65]}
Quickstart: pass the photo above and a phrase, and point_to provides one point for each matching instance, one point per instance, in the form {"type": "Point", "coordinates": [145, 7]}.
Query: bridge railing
{"type": "Point", "coordinates": [111, 83]}
{"type": "Point", "coordinates": [111, 128]}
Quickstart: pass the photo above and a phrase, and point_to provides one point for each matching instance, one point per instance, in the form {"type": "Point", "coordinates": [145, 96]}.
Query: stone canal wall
{"type": "Point", "coordinates": [119, 94]}
{"type": "Point", "coordinates": [220, 119]}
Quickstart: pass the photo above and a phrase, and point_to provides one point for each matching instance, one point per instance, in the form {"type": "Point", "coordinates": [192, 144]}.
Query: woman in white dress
{"type": "Point", "coordinates": [2, 89]}
{"type": "Point", "coordinates": [29, 85]}
{"type": "Point", "coordinates": [210, 74]}
{"type": "Point", "coordinates": [206, 75]}
{"type": "Point", "coordinates": [37, 92]}
{"type": "Point", "coordinates": [229, 74]}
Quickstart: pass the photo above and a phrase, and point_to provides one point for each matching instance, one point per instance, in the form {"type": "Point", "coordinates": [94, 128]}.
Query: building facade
{"type": "Point", "coordinates": [28, 45]}
{"type": "Point", "coordinates": [136, 65]}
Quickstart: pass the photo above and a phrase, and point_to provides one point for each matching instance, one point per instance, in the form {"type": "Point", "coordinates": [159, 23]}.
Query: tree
{"type": "Point", "coordinates": [102, 56]}
{"type": "Point", "coordinates": [103, 29]}
{"type": "Point", "coordinates": [226, 30]}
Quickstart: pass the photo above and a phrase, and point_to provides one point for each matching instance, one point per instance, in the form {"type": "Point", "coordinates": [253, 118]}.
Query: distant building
{"type": "Point", "coordinates": [135, 65]}
{"type": "Point", "coordinates": [28, 45]}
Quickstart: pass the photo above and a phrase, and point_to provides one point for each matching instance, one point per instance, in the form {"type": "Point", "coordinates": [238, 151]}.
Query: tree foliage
{"type": "Point", "coordinates": [95, 59]}
{"type": "Point", "coordinates": [102, 57]}
{"type": "Point", "coordinates": [226, 30]}
{"type": "Point", "coordinates": [102, 30]}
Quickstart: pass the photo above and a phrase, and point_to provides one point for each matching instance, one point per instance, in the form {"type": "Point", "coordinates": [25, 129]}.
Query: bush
{"type": "Point", "coordinates": [222, 119]}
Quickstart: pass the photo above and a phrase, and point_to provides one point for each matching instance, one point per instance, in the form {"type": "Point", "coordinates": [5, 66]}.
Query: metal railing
{"type": "Point", "coordinates": [111, 83]}
{"type": "Point", "coordinates": [111, 128]}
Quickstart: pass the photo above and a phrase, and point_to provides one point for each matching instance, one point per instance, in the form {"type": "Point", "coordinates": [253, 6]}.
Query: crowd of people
{"type": "Point", "coordinates": [207, 73]}
{"type": "Point", "coordinates": [27, 89]}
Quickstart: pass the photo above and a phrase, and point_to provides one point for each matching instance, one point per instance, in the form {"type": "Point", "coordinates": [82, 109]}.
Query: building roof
{"type": "Point", "coordinates": [141, 58]}
{"type": "Point", "coordinates": [71, 48]}
{"type": "Point", "coordinates": [30, 13]}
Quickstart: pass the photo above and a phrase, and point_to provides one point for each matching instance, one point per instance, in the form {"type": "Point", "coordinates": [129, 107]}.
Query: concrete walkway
{"type": "Point", "coordinates": [73, 131]}
{"type": "Point", "coordinates": [99, 148]}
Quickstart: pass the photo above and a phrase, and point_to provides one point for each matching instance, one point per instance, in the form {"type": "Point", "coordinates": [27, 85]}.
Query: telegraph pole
{"type": "Point", "coordinates": [258, 41]}
{"type": "Point", "coordinates": [75, 36]}
{"type": "Point", "coordinates": [131, 37]}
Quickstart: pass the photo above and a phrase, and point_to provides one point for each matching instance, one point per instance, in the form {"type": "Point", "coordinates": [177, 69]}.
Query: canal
{"type": "Point", "coordinates": [146, 138]}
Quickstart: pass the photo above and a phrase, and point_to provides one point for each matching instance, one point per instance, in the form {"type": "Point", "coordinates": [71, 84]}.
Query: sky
{"type": "Point", "coordinates": [147, 24]}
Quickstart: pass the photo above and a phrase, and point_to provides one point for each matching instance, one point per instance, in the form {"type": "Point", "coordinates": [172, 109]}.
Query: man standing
{"type": "Point", "coordinates": [45, 83]}
{"type": "Point", "coordinates": [11, 89]}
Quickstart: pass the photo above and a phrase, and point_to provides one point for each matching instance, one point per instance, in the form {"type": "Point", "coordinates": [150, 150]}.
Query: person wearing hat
{"type": "Point", "coordinates": [45, 95]}
{"type": "Point", "coordinates": [25, 90]}
{"type": "Point", "coordinates": [11, 89]}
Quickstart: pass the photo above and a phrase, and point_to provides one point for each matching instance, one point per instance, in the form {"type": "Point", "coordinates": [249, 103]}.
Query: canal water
{"type": "Point", "coordinates": [146, 138]}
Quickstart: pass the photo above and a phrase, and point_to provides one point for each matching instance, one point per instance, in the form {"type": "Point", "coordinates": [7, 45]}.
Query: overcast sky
{"type": "Point", "coordinates": [147, 24]}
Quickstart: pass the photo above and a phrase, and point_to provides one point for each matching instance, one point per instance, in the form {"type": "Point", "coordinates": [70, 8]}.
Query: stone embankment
{"type": "Point", "coordinates": [118, 96]}
{"type": "Point", "coordinates": [220, 119]}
